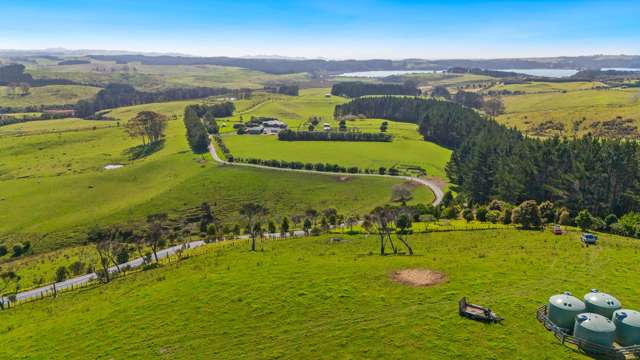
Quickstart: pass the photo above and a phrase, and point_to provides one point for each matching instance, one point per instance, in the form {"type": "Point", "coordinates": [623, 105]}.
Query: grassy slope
{"type": "Point", "coordinates": [540, 87]}
{"type": "Point", "coordinates": [594, 105]}
{"type": "Point", "coordinates": [48, 95]}
{"type": "Point", "coordinates": [153, 78]}
{"type": "Point", "coordinates": [407, 147]}
{"type": "Point", "coordinates": [53, 126]}
{"type": "Point", "coordinates": [66, 169]}
{"type": "Point", "coordinates": [306, 298]}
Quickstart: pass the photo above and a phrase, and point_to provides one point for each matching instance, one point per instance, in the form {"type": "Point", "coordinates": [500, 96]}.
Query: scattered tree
{"type": "Point", "coordinates": [252, 213]}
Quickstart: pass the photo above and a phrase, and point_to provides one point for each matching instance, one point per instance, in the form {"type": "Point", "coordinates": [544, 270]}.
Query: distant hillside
{"type": "Point", "coordinates": [272, 66]}
{"type": "Point", "coordinates": [288, 66]}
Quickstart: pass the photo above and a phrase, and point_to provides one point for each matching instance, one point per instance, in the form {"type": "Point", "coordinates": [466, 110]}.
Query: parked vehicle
{"type": "Point", "coordinates": [557, 230]}
{"type": "Point", "coordinates": [589, 239]}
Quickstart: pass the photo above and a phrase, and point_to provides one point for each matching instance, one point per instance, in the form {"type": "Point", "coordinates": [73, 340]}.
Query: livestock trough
{"type": "Point", "coordinates": [477, 312]}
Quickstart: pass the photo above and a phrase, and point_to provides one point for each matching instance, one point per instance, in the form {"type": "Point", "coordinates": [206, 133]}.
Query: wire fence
{"type": "Point", "coordinates": [588, 347]}
{"type": "Point", "coordinates": [55, 289]}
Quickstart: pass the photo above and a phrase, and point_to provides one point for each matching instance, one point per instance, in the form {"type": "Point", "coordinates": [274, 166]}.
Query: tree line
{"type": "Point", "coordinates": [271, 66]}
{"type": "Point", "coordinates": [491, 161]}
{"type": "Point", "coordinates": [6, 120]}
{"type": "Point", "coordinates": [197, 134]}
{"type": "Point", "coordinates": [292, 135]}
{"type": "Point", "coordinates": [354, 89]}
{"type": "Point", "coordinates": [291, 90]}
{"type": "Point", "coordinates": [117, 95]}
{"type": "Point", "coordinates": [14, 74]}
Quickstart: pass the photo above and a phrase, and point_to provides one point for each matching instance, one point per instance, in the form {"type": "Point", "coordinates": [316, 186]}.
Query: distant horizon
{"type": "Point", "coordinates": [97, 51]}
{"type": "Point", "coordinates": [359, 29]}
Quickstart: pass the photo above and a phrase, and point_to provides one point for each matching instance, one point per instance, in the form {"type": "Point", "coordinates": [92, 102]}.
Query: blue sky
{"type": "Point", "coordinates": [332, 29]}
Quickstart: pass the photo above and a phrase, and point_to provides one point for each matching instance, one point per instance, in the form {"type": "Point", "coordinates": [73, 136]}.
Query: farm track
{"type": "Point", "coordinates": [432, 185]}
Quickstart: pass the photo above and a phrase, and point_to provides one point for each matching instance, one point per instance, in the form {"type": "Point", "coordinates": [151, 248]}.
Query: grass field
{"type": "Point", "coordinates": [407, 148]}
{"type": "Point", "coordinates": [48, 95]}
{"type": "Point", "coordinates": [157, 77]}
{"type": "Point", "coordinates": [66, 169]}
{"type": "Point", "coordinates": [53, 126]}
{"type": "Point", "coordinates": [544, 87]}
{"type": "Point", "coordinates": [527, 111]}
{"type": "Point", "coordinates": [310, 298]}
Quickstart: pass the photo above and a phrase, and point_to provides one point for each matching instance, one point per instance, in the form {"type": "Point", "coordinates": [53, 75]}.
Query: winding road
{"type": "Point", "coordinates": [44, 291]}
{"type": "Point", "coordinates": [432, 185]}
{"type": "Point", "coordinates": [84, 279]}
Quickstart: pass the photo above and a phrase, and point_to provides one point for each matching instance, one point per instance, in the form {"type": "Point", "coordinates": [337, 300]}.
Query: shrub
{"type": "Point", "coordinates": [527, 215]}
{"type": "Point", "coordinates": [450, 213]}
{"type": "Point", "coordinates": [547, 213]}
{"type": "Point", "coordinates": [291, 135]}
{"type": "Point", "coordinates": [505, 215]}
{"type": "Point", "coordinates": [493, 216]}
{"type": "Point", "coordinates": [584, 220]}
{"type": "Point", "coordinates": [481, 213]}
{"type": "Point", "coordinates": [3, 250]}
{"type": "Point", "coordinates": [610, 220]}
{"type": "Point", "coordinates": [17, 250]}
{"type": "Point", "coordinates": [497, 205]}
{"type": "Point", "coordinates": [467, 214]}
{"type": "Point", "coordinates": [61, 274]}
{"type": "Point", "coordinates": [565, 218]}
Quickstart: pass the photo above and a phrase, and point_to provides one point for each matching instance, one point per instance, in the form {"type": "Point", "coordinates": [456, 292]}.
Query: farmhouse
{"type": "Point", "coordinates": [256, 130]}
{"type": "Point", "coordinates": [274, 124]}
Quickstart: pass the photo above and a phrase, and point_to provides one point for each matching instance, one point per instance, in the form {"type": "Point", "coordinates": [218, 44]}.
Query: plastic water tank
{"type": "Point", "coordinates": [563, 308]}
{"type": "Point", "coordinates": [595, 328]}
{"type": "Point", "coordinates": [601, 303]}
{"type": "Point", "coordinates": [627, 327]}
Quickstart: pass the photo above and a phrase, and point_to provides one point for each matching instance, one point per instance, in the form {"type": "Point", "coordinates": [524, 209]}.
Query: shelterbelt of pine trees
{"type": "Point", "coordinates": [117, 95]}
{"type": "Point", "coordinates": [491, 161]}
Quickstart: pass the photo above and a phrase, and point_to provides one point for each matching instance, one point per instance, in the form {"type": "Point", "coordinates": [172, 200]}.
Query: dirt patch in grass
{"type": "Point", "coordinates": [419, 277]}
{"type": "Point", "coordinates": [344, 178]}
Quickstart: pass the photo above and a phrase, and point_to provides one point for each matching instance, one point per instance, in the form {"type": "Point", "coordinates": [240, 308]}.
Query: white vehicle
{"type": "Point", "coordinates": [589, 239]}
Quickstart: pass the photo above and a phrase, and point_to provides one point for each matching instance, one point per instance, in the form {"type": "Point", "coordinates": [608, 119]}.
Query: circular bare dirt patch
{"type": "Point", "coordinates": [419, 277]}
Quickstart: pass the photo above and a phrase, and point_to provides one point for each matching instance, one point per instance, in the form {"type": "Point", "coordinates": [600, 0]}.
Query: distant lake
{"type": "Point", "coordinates": [556, 73]}
{"type": "Point", "coordinates": [621, 69]}
{"type": "Point", "coordinates": [385, 73]}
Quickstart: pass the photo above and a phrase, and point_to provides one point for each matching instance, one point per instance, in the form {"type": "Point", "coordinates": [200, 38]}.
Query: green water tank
{"type": "Point", "coordinates": [595, 328]}
{"type": "Point", "coordinates": [563, 308]}
{"type": "Point", "coordinates": [601, 303]}
{"type": "Point", "coordinates": [627, 327]}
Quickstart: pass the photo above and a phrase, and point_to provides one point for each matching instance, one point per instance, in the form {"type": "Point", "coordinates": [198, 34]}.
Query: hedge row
{"type": "Point", "coordinates": [291, 135]}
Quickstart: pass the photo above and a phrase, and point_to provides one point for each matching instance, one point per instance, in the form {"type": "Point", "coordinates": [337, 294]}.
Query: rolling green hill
{"type": "Point", "coordinates": [559, 110]}
{"type": "Point", "coordinates": [407, 148]}
{"type": "Point", "coordinates": [320, 299]}
{"type": "Point", "coordinates": [67, 169]}
{"type": "Point", "coordinates": [48, 95]}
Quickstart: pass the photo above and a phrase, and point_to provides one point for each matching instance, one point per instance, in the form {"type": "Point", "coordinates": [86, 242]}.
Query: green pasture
{"type": "Point", "coordinates": [544, 87]}
{"type": "Point", "coordinates": [587, 106]}
{"type": "Point", "coordinates": [317, 298]}
{"type": "Point", "coordinates": [52, 126]}
{"type": "Point", "coordinates": [407, 147]}
{"type": "Point", "coordinates": [158, 77]}
{"type": "Point", "coordinates": [47, 95]}
{"type": "Point", "coordinates": [54, 185]}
